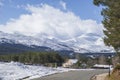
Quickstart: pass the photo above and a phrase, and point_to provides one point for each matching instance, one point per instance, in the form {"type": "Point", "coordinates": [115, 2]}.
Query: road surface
{"type": "Point", "coordinates": [74, 75]}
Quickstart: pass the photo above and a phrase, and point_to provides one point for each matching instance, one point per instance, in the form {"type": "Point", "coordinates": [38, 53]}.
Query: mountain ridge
{"type": "Point", "coordinates": [86, 43]}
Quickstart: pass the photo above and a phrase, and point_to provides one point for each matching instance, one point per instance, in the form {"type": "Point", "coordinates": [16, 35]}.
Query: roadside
{"type": "Point", "coordinates": [115, 75]}
{"type": "Point", "coordinates": [99, 77]}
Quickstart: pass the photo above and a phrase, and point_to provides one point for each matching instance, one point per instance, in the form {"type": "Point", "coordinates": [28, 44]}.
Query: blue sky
{"type": "Point", "coordinates": [82, 8]}
{"type": "Point", "coordinates": [63, 19]}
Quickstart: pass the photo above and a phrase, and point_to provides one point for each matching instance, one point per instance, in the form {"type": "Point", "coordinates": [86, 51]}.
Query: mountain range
{"type": "Point", "coordinates": [85, 43]}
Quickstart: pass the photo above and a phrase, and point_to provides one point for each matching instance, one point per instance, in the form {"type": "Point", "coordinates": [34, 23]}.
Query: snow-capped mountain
{"type": "Point", "coordinates": [32, 41]}
{"type": "Point", "coordinates": [88, 43]}
{"type": "Point", "coordinates": [85, 43]}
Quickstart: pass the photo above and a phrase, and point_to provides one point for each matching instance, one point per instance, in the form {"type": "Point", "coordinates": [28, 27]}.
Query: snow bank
{"type": "Point", "coordinates": [15, 70]}
{"type": "Point", "coordinates": [103, 66]}
{"type": "Point", "coordinates": [100, 65]}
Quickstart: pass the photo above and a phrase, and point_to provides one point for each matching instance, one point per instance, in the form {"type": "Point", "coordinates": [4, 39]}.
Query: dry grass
{"type": "Point", "coordinates": [115, 75]}
{"type": "Point", "coordinates": [112, 78]}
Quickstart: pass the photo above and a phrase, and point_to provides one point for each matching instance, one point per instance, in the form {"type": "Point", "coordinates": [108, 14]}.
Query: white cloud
{"type": "Point", "coordinates": [63, 4]}
{"type": "Point", "coordinates": [51, 21]}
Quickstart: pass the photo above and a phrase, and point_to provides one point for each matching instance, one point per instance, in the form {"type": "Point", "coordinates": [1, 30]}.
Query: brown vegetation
{"type": "Point", "coordinates": [115, 75]}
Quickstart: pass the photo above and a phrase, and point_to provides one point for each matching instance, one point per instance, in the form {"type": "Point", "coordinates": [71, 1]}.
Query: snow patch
{"type": "Point", "coordinates": [16, 71]}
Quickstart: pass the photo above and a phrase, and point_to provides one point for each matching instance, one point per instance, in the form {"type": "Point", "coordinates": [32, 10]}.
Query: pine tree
{"type": "Point", "coordinates": [111, 21]}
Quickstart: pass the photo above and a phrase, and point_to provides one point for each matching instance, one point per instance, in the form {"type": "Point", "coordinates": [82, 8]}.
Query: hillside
{"type": "Point", "coordinates": [17, 42]}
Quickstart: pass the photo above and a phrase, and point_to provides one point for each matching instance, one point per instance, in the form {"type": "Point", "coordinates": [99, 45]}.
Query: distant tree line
{"type": "Point", "coordinates": [43, 58]}
{"type": "Point", "coordinates": [90, 61]}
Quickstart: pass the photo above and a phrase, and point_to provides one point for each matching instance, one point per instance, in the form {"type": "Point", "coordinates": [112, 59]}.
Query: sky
{"type": "Point", "coordinates": [63, 19]}
{"type": "Point", "coordinates": [82, 8]}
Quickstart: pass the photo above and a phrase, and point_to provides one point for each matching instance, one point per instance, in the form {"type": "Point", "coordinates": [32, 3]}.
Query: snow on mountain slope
{"type": "Point", "coordinates": [89, 42]}
{"type": "Point", "coordinates": [29, 41]}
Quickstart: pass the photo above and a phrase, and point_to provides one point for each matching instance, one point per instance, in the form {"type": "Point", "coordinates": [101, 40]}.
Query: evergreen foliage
{"type": "Point", "coordinates": [111, 14]}
{"type": "Point", "coordinates": [34, 58]}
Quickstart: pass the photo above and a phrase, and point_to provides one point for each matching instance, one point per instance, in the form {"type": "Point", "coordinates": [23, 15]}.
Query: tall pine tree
{"type": "Point", "coordinates": [111, 21]}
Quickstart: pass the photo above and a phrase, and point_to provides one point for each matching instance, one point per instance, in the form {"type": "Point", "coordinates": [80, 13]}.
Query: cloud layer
{"type": "Point", "coordinates": [51, 21]}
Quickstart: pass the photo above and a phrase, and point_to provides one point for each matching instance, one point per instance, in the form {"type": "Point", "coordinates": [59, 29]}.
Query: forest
{"type": "Point", "coordinates": [41, 58]}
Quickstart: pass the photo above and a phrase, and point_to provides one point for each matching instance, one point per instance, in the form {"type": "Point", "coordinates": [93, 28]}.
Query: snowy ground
{"type": "Point", "coordinates": [16, 71]}
{"type": "Point", "coordinates": [103, 66]}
